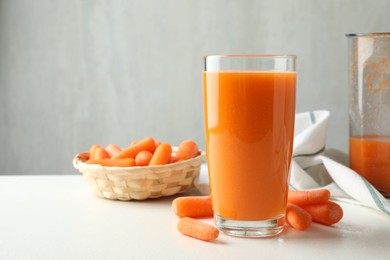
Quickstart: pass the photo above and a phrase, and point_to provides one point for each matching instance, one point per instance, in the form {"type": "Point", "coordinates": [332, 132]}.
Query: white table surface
{"type": "Point", "coordinates": [59, 217]}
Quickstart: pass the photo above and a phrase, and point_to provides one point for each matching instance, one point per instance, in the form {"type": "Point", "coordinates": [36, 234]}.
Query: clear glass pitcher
{"type": "Point", "coordinates": [369, 107]}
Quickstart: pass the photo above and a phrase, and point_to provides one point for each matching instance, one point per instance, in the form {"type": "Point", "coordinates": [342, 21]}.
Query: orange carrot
{"type": "Point", "coordinates": [327, 213]}
{"type": "Point", "coordinates": [187, 149]}
{"type": "Point", "coordinates": [146, 144]}
{"type": "Point", "coordinates": [197, 229]}
{"type": "Point", "coordinates": [124, 162]}
{"type": "Point", "coordinates": [162, 155]}
{"type": "Point", "coordinates": [173, 159]}
{"type": "Point", "coordinates": [308, 197]}
{"type": "Point", "coordinates": [100, 153]}
{"type": "Point", "coordinates": [92, 151]}
{"type": "Point", "coordinates": [193, 206]}
{"type": "Point", "coordinates": [113, 149]}
{"type": "Point", "coordinates": [297, 217]}
{"type": "Point", "coordinates": [143, 158]}
{"type": "Point", "coordinates": [156, 143]}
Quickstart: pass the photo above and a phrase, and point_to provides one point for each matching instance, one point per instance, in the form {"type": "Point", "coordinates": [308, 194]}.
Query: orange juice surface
{"type": "Point", "coordinates": [249, 120]}
{"type": "Point", "coordinates": [370, 157]}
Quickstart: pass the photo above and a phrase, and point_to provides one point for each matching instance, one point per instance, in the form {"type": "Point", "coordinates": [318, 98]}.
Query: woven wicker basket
{"type": "Point", "coordinates": [139, 182]}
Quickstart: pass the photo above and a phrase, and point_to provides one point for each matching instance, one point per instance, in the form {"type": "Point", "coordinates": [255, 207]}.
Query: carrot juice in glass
{"type": "Point", "coordinates": [249, 105]}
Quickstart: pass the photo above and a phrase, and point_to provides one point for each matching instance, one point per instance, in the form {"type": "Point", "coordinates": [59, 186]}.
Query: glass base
{"type": "Point", "coordinates": [250, 228]}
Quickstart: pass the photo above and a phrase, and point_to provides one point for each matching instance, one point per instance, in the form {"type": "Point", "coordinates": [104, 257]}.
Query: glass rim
{"type": "Point", "coordinates": [251, 56]}
{"type": "Point", "coordinates": [374, 34]}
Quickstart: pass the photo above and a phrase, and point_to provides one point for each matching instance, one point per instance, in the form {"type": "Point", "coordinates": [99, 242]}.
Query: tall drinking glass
{"type": "Point", "coordinates": [249, 105]}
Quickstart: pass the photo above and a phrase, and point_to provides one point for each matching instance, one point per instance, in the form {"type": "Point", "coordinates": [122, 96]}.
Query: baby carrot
{"type": "Point", "coordinates": [297, 217]}
{"type": "Point", "coordinates": [124, 162]}
{"type": "Point", "coordinates": [146, 144]}
{"type": "Point", "coordinates": [100, 153]}
{"type": "Point", "coordinates": [187, 149]}
{"type": "Point", "coordinates": [197, 229]}
{"type": "Point", "coordinates": [308, 197]}
{"type": "Point", "coordinates": [162, 155]}
{"type": "Point", "coordinates": [113, 149]}
{"type": "Point", "coordinates": [193, 206]}
{"type": "Point", "coordinates": [156, 143]}
{"type": "Point", "coordinates": [327, 213]}
{"type": "Point", "coordinates": [143, 158]}
{"type": "Point", "coordinates": [173, 159]}
{"type": "Point", "coordinates": [92, 151]}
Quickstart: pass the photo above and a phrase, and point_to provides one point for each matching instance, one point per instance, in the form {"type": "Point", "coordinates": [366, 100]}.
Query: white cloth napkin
{"type": "Point", "coordinates": [314, 167]}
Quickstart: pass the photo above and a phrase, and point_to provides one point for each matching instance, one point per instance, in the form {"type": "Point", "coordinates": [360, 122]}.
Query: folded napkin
{"type": "Point", "coordinates": [314, 167]}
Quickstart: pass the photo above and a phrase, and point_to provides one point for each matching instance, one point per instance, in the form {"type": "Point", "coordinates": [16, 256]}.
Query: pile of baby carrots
{"type": "Point", "coordinates": [144, 152]}
{"type": "Point", "coordinates": [303, 208]}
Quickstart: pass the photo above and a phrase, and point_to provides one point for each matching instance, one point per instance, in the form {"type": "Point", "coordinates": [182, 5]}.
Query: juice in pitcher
{"type": "Point", "coordinates": [370, 157]}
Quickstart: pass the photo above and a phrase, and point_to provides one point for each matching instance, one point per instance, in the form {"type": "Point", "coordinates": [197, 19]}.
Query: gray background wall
{"type": "Point", "coordinates": [75, 73]}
